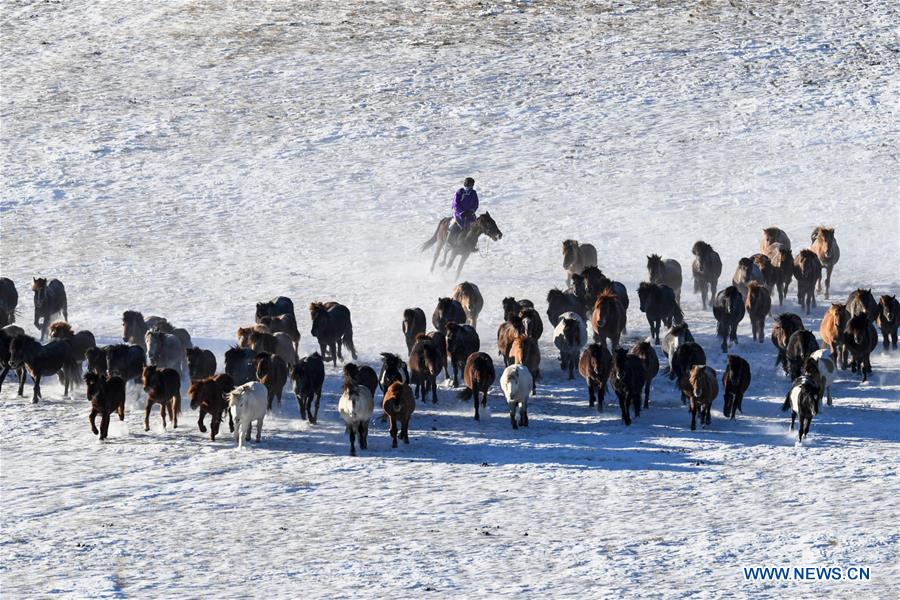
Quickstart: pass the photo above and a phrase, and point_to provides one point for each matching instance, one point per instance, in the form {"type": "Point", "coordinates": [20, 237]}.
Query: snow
{"type": "Point", "coordinates": [191, 158]}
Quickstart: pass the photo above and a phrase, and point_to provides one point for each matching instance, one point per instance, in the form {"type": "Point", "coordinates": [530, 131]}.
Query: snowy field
{"type": "Point", "coordinates": [189, 159]}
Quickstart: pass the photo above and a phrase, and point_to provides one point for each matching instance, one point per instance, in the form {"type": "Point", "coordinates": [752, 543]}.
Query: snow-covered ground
{"type": "Point", "coordinates": [191, 158]}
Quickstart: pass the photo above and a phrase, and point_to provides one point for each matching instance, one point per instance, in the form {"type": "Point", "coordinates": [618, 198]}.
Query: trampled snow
{"type": "Point", "coordinates": [189, 159]}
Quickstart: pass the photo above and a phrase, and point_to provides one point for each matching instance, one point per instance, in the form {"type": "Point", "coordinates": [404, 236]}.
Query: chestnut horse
{"type": "Point", "coordinates": [608, 319]}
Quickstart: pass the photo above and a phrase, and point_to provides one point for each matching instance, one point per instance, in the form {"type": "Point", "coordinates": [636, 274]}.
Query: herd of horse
{"type": "Point", "coordinates": [161, 357]}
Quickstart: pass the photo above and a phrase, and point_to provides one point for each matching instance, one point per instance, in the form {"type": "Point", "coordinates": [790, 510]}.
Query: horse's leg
{"type": "Point", "coordinates": [462, 261]}
{"type": "Point", "coordinates": [392, 420]}
{"type": "Point", "coordinates": [693, 415]}
{"type": "Point", "coordinates": [484, 398]}
{"type": "Point", "coordinates": [404, 432]}
{"type": "Point", "coordinates": [200, 420]}
{"type": "Point", "coordinates": [793, 419]}
{"type": "Point", "coordinates": [352, 431]}
{"type": "Point", "coordinates": [104, 425]}
{"type": "Point", "coordinates": [333, 353]}
{"type": "Point", "coordinates": [623, 406]}
{"type": "Point", "coordinates": [147, 414]}
{"type": "Point", "coordinates": [512, 416]}
{"type": "Point", "coordinates": [36, 390]}
{"type": "Point", "coordinates": [437, 253]}
{"type": "Point", "coordinates": [647, 394]}
{"type": "Point", "coordinates": [91, 419]}
{"type": "Point", "coordinates": [475, 398]}
{"type": "Point", "coordinates": [433, 384]}
{"type": "Point", "coordinates": [162, 412]}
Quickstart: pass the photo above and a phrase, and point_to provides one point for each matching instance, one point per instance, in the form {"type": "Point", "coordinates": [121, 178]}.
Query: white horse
{"type": "Point", "coordinates": [516, 384]}
{"type": "Point", "coordinates": [356, 407]}
{"type": "Point", "coordinates": [570, 336]}
{"type": "Point", "coordinates": [675, 337]}
{"type": "Point", "coordinates": [166, 350]}
{"type": "Point", "coordinates": [827, 370]}
{"type": "Point", "coordinates": [248, 403]}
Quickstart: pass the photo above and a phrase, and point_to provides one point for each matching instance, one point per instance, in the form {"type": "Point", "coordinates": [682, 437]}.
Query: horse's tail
{"type": "Point", "coordinates": [433, 240]}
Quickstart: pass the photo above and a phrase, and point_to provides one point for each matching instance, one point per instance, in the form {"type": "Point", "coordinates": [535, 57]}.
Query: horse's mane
{"type": "Point", "coordinates": [315, 307]}
{"type": "Point", "coordinates": [569, 244]}
{"type": "Point", "coordinates": [60, 328]}
{"type": "Point", "coordinates": [771, 231]}
{"type": "Point", "coordinates": [421, 337]}
{"type": "Point", "coordinates": [605, 296]}
{"type": "Point", "coordinates": [700, 248]}
{"type": "Point", "coordinates": [132, 314]}
{"type": "Point", "coordinates": [697, 376]}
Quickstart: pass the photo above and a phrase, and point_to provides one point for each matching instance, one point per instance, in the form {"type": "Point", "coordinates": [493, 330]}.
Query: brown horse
{"type": "Point", "coordinates": [576, 257]}
{"type": "Point", "coordinates": [860, 338]}
{"type": "Point", "coordinates": [765, 266]}
{"type": "Point", "coordinates": [665, 272]}
{"type": "Point", "coordinates": [272, 372]}
{"type": "Point", "coordinates": [785, 326]}
{"type": "Point", "coordinates": [608, 318]}
{"type": "Point", "coordinates": [862, 301]}
{"type": "Point", "coordinates": [758, 303]}
{"type": "Point", "coordinates": [447, 310]}
{"type": "Point", "coordinates": [440, 341]}
{"type": "Point", "coordinates": [807, 271]}
{"type": "Point", "coordinates": [831, 330]}
{"type": "Point", "coordinates": [79, 342]}
{"type": "Point", "coordinates": [424, 366]}
{"type": "Point", "coordinates": [479, 376]}
{"type": "Point", "coordinates": [163, 386]}
{"type": "Point", "coordinates": [469, 296]}
{"type": "Point", "coordinates": [647, 353]}
{"type": "Point", "coordinates": [783, 263]}
{"type": "Point", "coordinates": [465, 244]}
{"type": "Point", "coordinates": [207, 395]}
{"type": "Point", "coordinates": [462, 340]}
{"type": "Point", "coordinates": [399, 405]}
{"type": "Point", "coordinates": [49, 302]}
{"type": "Point", "coordinates": [829, 253]}
{"type": "Point", "coordinates": [525, 351]}
{"type": "Point", "coordinates": [332, 328]}
{"type": "Point", "coordinates": [507, 332]}
{"type": "Point", "coordinates": [773, 235]}
{"type": "Point", "coordinates": [413, 324]}
{"type": "Point", "coordinates": [889, 319]}
{"type": "Point", "coordinates": [595, 365]}
{"type": "Point", "coordinates": [107, 396]}
{"type": "Point", "coordinates": [704, 389]}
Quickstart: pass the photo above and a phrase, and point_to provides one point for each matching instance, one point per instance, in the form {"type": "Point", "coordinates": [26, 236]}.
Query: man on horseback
{"type": "Point", "coordinates": [465, 203]}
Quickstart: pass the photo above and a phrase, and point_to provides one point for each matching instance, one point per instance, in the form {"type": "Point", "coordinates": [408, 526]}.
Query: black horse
{"type": "Point", "coordinates": [49, 302]}
{"type": "Point", "coordinates": [41, 361]}
{"type": "Point", "coordinates": [465, 244]}
{"type": "Point", "coordinates": [9, 300]}
{"type": "Point", "coordinates": [276, 307]}
{"type": "Point", "coordinates": [332, 327]}
{"type": "Point", "coordinates": [729, 311]}
{"type": "Point", "coordinates": [659, 304]}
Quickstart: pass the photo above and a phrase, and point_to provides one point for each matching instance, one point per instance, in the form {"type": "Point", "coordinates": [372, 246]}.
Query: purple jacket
{"type": "Point", "coordinates": [465, 202]}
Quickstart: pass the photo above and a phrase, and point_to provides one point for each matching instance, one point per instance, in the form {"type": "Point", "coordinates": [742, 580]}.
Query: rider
{"type": "Point", "coordinates": [465, 203]}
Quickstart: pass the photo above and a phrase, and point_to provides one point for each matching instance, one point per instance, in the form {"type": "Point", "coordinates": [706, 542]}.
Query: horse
{"type": "Point", "coordinates": [773, 235]}
{"type": "Point", "coordinates": [587, 284]}
{"type": "Point", "coordinates": [758, 303]}
{"type": "Point", "coordinates": [507, 332]}
{"type": "Point", "coordinates": [243, 334]}
{"type": "Point", "coordinates": [832, 327]}
{"type": "Point", "coordinates": [576, 257]}
{"type": "Point", "coordinates": [862, 301]}
{"type": "Point", "coordinates": [40, 361]}
{"type": "Point", "coordinates": [525, 351]}
{"type": "Point", "coordinates": [799, 347]}
{"type": "Point", "coordinates": [735, 382]}
{"type": "Point", "coordinates": [517, 385]}
{"type": "Point", "coordinates": [595, 365]}
{"type": "Point", "coordinates": [675, 337]}
{"type": "Point", "coordinates": [107, 396]}
{"type": "Point", "coordinates": [628, 379]}
{"type": "Point", "coordinates": [746, 272]}
{"type": "Point", "coordinates": [807, 271]}
{"type": "Point", "coordinates": [355, 407]}
{"type": "Point", "coordinates": [479, 376]}
{"type": "Point", "coordinates": [447, 310]}
{"type": "Point", "coordinates": [363, 375]}
{"type": "Point", "coordinates": [822, 366]}
{"type": "Point", "coordinates": [704, 389]}
{"type": "Point", "coordinates": [687, 356]}
{"type": "Point", "coordinates": [665, 272]}
{"type": "Point", "coordinates": [276, 307]}
{"type": "Point", "coordinates": [462, 340]}
{"type": "Point", "coordinates": [49, 302]}
{"type": "Point", "coordinates": [829, 253]}
{"type": "Point", "coordinates": [658, 302]}
{"type": "Point", "coordinates": [135, 328]}
{"type": "Point", "coordinates": [79, 342]}
{"type": "Point", "coordinates": [888, 319]}
{"type": "Point", "coordinates": [248, 403]}
{"type": "Point", "coordinates": [6, 337]}
{"type": "Point", "coordinates": [332, 327]}
{"type": "Point", "coordinates": [126, 361]}
{"type": "Point", "coordinates": [803, 400]}
{"type": "Point", "coordinates": [413, 325]}
{"type": "Point", "coordinates": [531, 322]}
{"type": "Point", "coordinates": [860, 338]}
{"type": "Point", "coordinates": [511, 306]}
{"type": "Point", "coordinates": [729, 311]}
{"type": "Point", "coordinates": [163, 386]}
{"type": "Point", "coordinates": [308, 375]}
{"type": "Point", "coordinates": [279, 343]}
{"type": "Point", "coordinates": [399, 405]}
{"type": "Point", "coordinates": [440, 341]}
{"type": "Point", "coordinates": [785, 326]}
{"type": "Point", "coordinates": [96, 360]}
{"type": "Point", "coordinates": [765, 266]}
{"type": "Point", "coordinates": [201, 363]}
{"type": "Point", "coordinates": [559, 302]}
{"type": "Point", "coordinates": [608, 318]}
{"type": "Point", "coordinates": [9, 300]}
{"type": "Point", "coordinates": [393, 369]}
{"type": "Point", "coordinates": [469, 296]}
{"type": "Point", "coordinates": [207, 395]}
{"type": "Point", "coordinates": [706, 269]}
{"type": "Point", "coordinates": [424, 365]}
{"type": "Point", "coordinates": [783, 264]}
{"type": "Point", "coordinates": [165, 350]}
{"type": "Point", "coordinates": [569, 337]}
{"type": "Point", "coordinates": [272, 372]}
{"type": "Point", "coordinates": [239, 364]}
{"type": "Point", "coordinates": [647, 354]}
{"type": "Point", "coordinates": [465, 244]}
{"type": "Point", "coordinates": [286, 324]}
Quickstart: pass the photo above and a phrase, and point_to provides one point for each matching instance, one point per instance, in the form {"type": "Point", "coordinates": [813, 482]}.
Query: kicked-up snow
{"type": "Point", "coordinates": [189, 159]}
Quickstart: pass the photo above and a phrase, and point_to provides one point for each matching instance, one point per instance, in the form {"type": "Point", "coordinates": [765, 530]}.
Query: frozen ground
{"type": "Point", "coordinates": [191, 158]}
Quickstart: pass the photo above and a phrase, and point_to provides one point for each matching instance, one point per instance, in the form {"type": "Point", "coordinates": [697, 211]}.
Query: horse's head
{"type": "Point", "coordinates": [644, 294]}
{"type": "Point", "coordinates": [654, 264]}
{"type": "Point", "coordinates": [39, 285]}
{"type": "Point", "coordinates": [570, 253]}
{"type": "Point", "coordinates": [132, 325]}
{"type": "Point", "coordinates": [263, 309]}
{"type": "Point", "coordinates": [317, 314]}
{"type": "Point", "coordinates": [700, 248]}
{"type": "Point", "coordinates": [149, 377]}
{"type": "Point", "coordinates": [489, 226]}
{"type": "Point", "coordinates": [94, 384]}
{"type": "Point", "coordinates": [18, 350]}
{"type": "Point", "coordinates": [572, 332]}
{"type": "Point", "coordinates": [888, 308]}
{"type": "Point", "coordinates": [60, 330]}
{"type": "Point", "coordinates": [154, 341]}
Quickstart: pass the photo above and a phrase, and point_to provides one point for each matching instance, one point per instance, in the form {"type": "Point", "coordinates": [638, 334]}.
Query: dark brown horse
{"type": "Point", "coordinates": [201, 363]}
{"type": "Point", "coordinates": [41, 361]}
{"type": "Point", "coordinates": [413, 324]}
{"type": "Point", "coordinates": [332, 327]}
{"type": "Point", "coordinates": [465, 244]}
{"type": "Point", "coordinates": [687, 356]}
{"type": "Point", "coordinates": [559, 302]}
{"type": "Point", "coordinates": [735, 382]}
{"type": "Point", "coordinates": [860, 339]}
{"type": "Point", "coordinates": [479, 376]}
{"type": "Point", "coordinates": [628, 379]}
{"type": "Point", "coordinates": [447, 310]}
{"type": "Point", "coordinates": [807, 271]}
{"type": "Point", "coordinates": [889, 319]}
{"type": "Point", "coordinates": [765, 266]}
{"type": "Point", "coordinates": [163, 386]}
{"type": "Point", "coordinates": [424, 365]}
{"type": "Point", "coordinates": [208, 396]}
{"type": "Point", "coordinates": [272, 372]}
{"type": "Point", "coordinates": [783, 263]}
{"type": "Point", "coordinates": [9, 300]}
{"type": "Point", "coordinates": [595, 365]}
{"type": "Point", "coordinates": [706, 269]}
{"type": "Point", "coordinates": [647, 353]}
{"type": "Point", "coordinates": [49, 302]}
{"type": "Point", "coordinates": [829, 253]}
{"type": "Point", "coordinates": [281, 305]}
{"type": "Point", "coordinates": [532, 324]}
{"type": "Point", "coordinates": [659, 304]}
{"type": "Point", "coordinates": [462, 340]}
{"type": "Point", "coordinates": [107, 396]}
{"type": "Point", "coordinates": [785, 326]}
{"type": "Point", "coordinates": [308, 376]}
{"type": "Point", "coordinates": [862, 301]}
{"type": "Point", "coordinates": [6, 337]}
{"type": "Point", "coordinates": [286, 324]}
{"type": "Point", "coordinates": [758, 304]}
{"type": "Point", "coordinates": [79, 342]}
{"type": "Point", "coordinates": [507, 332]}
{"type": "Point", "coordinates": [608, 319]}
{"type": "Point", "coordinates": [799, 347]}
{"type": "Point", "coordinates": [704, 389]}
{"type": "Point", "coordinates": [729, 311]}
